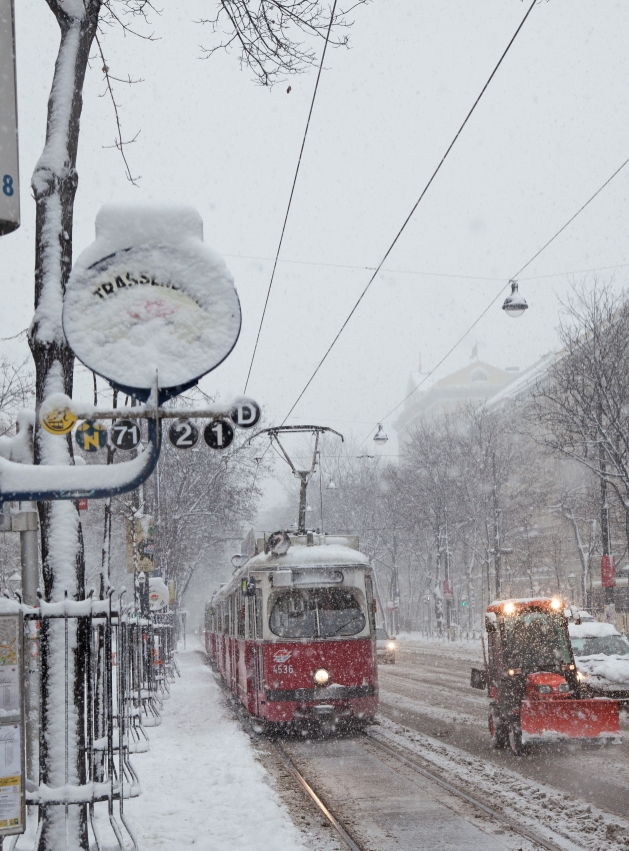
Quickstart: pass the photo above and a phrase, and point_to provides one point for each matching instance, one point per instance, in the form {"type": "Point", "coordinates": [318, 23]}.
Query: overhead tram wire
{"type": "Point", "coordinates": [292, 192]}
{"type": "Point", "coordinates": [497, 296]}
{"type": "Point", "coordinates": [415, 206]}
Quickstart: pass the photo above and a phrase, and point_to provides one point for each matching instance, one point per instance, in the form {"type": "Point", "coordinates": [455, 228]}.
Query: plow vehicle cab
{"type": "Point", "coordinates": [534, 693]}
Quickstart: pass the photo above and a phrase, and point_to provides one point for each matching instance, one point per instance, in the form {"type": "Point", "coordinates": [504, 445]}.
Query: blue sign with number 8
{"type": "Point", "coordinates": [7, 185]}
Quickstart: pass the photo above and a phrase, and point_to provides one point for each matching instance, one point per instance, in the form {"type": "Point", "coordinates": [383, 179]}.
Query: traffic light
{"type": "Point", "coordinates": [464, 602]}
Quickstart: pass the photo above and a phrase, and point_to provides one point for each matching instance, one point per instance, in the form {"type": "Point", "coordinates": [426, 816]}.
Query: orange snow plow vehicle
{"type": "Point", "coordinates": [534, 691]}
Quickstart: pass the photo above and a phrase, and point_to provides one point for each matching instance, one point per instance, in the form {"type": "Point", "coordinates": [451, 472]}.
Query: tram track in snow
{"type": "Point", "coordinates": [327, 808]}
{"type": "Point", "coordinates": [509, 822]}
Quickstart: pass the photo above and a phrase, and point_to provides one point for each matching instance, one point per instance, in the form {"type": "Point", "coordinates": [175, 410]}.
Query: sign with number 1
{"type": "Point", "coordinates": [219, 434]}
{"type": "Point", "coordinates": [9, 178]}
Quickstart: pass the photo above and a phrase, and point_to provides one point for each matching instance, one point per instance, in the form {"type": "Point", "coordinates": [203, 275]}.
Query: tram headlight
{"type": "Point", "coordinates": [391, 645]}
{"type": "Point", "coordinates": [321, 677]}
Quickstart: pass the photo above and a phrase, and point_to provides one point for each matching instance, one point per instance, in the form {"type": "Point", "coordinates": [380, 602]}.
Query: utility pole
{"type": "Point", "coordinates": [608, 568]}
{"type": "Point", "coordinates": [395, 614]}
{"type": "Point", "coordinates": [497, 553]}
{"type": "Point", "coordinates": [448, 586]}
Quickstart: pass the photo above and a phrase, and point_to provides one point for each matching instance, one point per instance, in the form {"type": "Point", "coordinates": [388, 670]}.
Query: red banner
{"type": "Point", "coordinates": [608, 572]}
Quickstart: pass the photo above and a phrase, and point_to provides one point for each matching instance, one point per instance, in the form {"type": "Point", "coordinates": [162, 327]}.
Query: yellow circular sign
{"type": "Point", "coordinates": [59, 421]}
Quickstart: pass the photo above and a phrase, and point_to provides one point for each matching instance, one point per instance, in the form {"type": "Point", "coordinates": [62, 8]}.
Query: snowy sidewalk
{"type": "Point", "coordinates": [202, 787]}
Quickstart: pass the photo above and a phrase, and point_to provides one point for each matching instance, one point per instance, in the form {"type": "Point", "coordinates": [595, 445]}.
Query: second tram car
{"type": "Point", "coordinates": [293, 633]}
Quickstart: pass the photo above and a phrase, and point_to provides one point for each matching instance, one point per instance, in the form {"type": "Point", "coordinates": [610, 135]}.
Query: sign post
{"type": "Point", "coordinates": [9, 171]}
{"type": "Point", "coordinates": [12, 768]}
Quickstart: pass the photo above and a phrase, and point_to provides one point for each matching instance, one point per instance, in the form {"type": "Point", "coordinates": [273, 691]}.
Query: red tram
{"type": "Point", "coordinates": [293, 632]}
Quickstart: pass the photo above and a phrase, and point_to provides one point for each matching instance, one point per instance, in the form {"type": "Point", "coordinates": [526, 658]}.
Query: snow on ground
{"type": "Point", "coordinates": [202, 786]}
{"type": "Point", "coordinates": [462, 649]}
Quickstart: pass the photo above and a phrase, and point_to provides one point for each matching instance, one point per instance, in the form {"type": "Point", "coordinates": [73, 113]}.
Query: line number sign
{"type": "Point", "coordinates": [218, 434]}
{"type": "Point", "coordinates": [183, 434]}
{"type": "Point", "coordinates": [125, 434]}
{"type": "Point", "coordinates": [91, 436]}
{"type": "Point", "coordinates": [246, 414]}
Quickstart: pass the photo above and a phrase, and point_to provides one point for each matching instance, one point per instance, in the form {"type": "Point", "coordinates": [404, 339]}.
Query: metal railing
{"type": "Point", "coordinates": [124, 662]}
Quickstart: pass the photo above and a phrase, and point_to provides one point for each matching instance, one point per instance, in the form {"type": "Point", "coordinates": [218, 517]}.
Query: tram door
{"type": "Point", "coordinates": [256, 670]}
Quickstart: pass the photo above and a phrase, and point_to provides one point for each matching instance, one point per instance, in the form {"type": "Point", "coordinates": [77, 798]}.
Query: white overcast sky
{"type": "Point", "coordinates": [551, 128]}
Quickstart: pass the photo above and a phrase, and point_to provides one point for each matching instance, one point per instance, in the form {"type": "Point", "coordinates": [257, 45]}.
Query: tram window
{"type": "Point", "coordinates": [251, 624]}
{"type": "Point", "coordinates": [240, 605]}
{"type": "Point", "coordinates": [369, 597]}
{"type": "Point", "coordinates": [258, 612]}
{"type": "Point", "coordinates": [316, 613]}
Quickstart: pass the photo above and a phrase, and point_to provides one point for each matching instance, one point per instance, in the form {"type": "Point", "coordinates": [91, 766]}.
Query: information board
{"type": "Point", "coordinates": [12, 774]}
{"type": "Point", "coordinates": [9, 172]}
{"type": "Point", "coordinates": [140, 539]}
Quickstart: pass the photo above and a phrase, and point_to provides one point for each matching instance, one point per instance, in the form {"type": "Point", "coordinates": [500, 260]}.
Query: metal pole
{"type": "Point", "coordinates": [301, 523]}
{"type": "Point", "coordinates": [27, 522]}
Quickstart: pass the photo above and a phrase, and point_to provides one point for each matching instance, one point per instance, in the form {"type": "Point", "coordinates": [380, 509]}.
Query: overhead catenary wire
{"type": "Point", "coordinates": [497, 296]}
{"type": "Point", "coordinates": [413, 209]}
{"type": "Point", "coordinates": [292, 192]}
{"type": "Point", "coordinates": [427, 274]}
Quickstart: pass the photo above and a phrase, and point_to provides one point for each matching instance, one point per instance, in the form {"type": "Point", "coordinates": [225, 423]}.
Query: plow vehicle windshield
{"type": "Point", "coordinates": [536, 640]}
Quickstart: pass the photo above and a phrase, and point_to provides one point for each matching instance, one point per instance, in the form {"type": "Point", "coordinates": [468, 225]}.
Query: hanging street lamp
{"type": "Point", "coordinates": [514, 305]}
{"type": "Point", "coordinates": [380, 436]}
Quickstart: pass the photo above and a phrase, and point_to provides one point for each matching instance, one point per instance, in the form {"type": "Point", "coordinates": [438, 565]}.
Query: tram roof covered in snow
{"type": "Point", "coordinates": [300, 556]}
{"type": "Point", "coordinates": [305, 554]}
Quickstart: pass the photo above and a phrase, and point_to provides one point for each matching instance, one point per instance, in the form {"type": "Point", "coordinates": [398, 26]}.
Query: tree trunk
{"type": "Point", "coordinates": [54, 186]}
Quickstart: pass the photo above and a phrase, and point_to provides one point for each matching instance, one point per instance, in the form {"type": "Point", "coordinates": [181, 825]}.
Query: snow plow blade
{"type": "Point", "coordinates": [551, 720]}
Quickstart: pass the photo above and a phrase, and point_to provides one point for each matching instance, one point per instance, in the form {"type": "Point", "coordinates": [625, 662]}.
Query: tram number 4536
{"type": "Point", "coordinates": [283, 669]}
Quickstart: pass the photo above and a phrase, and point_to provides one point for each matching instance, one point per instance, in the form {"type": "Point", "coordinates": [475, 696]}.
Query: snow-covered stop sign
{"type": "Point", "coordinates": [148, 300]}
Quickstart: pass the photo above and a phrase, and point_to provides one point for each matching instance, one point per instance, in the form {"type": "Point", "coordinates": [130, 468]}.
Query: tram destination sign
{"type": "Point", "coordinates": [9, 173]}
{"type": "Point", "coordinates": [148, 302]}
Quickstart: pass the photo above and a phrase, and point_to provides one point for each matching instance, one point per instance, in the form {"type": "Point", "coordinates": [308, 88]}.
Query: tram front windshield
{"type": "Point", "coordinates": [536, 640]}
{"type": "Point", "coordinates": [316, 613]}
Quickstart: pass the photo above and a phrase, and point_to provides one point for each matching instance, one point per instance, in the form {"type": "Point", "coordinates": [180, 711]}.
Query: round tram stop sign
{"type": "Point", "coordinates": [149, 303]}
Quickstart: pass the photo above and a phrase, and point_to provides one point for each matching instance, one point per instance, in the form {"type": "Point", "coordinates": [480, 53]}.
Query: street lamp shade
{"type": "Point", "coordinates": [380, 436]}
{"type": "Point", "coordinates": [14, 581]}
{"type": "Point", "coordinates": [514, 304]}
{"type": "Point", "coordinates": [330, 486]}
